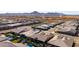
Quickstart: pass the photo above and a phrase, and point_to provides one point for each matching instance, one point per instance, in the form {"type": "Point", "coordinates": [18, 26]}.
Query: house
{"type": "Point", "coordinates": [21, 29]}
{"type": "Point", "coordinates": [68, 28]}
{"type": "Point", "coordinates": [42, 27]}
{"type": "Point", "coordinates": [43, 36]}
{"type": "Point", "coordinates": [62, 40]}
{"type": "Point", "coordinates": [31, 32]}
{"type": "Point", "coordinates": [7, 44]}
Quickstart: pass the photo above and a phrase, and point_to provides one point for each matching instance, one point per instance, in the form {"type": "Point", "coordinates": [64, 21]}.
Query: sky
{"type": "Point", "coordinates": [22, 6]}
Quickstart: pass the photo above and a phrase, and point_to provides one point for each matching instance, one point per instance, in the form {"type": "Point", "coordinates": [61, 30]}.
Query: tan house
{"type": "Point", "coordinates": [31, 32]}
{"type": "Point", "coordinates": [43, 36]}
{"type": "Point", "coordinates": [62, 40]}
{"type": "Point", "coordinates": [7, 44]}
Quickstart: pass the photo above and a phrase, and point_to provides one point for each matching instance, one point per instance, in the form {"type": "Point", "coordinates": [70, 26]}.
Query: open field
{"type": "Point", "coordinates": [41, 18]}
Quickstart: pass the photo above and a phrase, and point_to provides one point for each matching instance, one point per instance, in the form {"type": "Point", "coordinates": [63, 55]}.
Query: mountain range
{"type": "Point", "coordinates": [34, 13]}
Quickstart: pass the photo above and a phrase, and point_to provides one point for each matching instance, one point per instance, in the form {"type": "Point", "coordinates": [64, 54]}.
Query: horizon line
{"type": "Point", "coordinates": [63, 12]}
